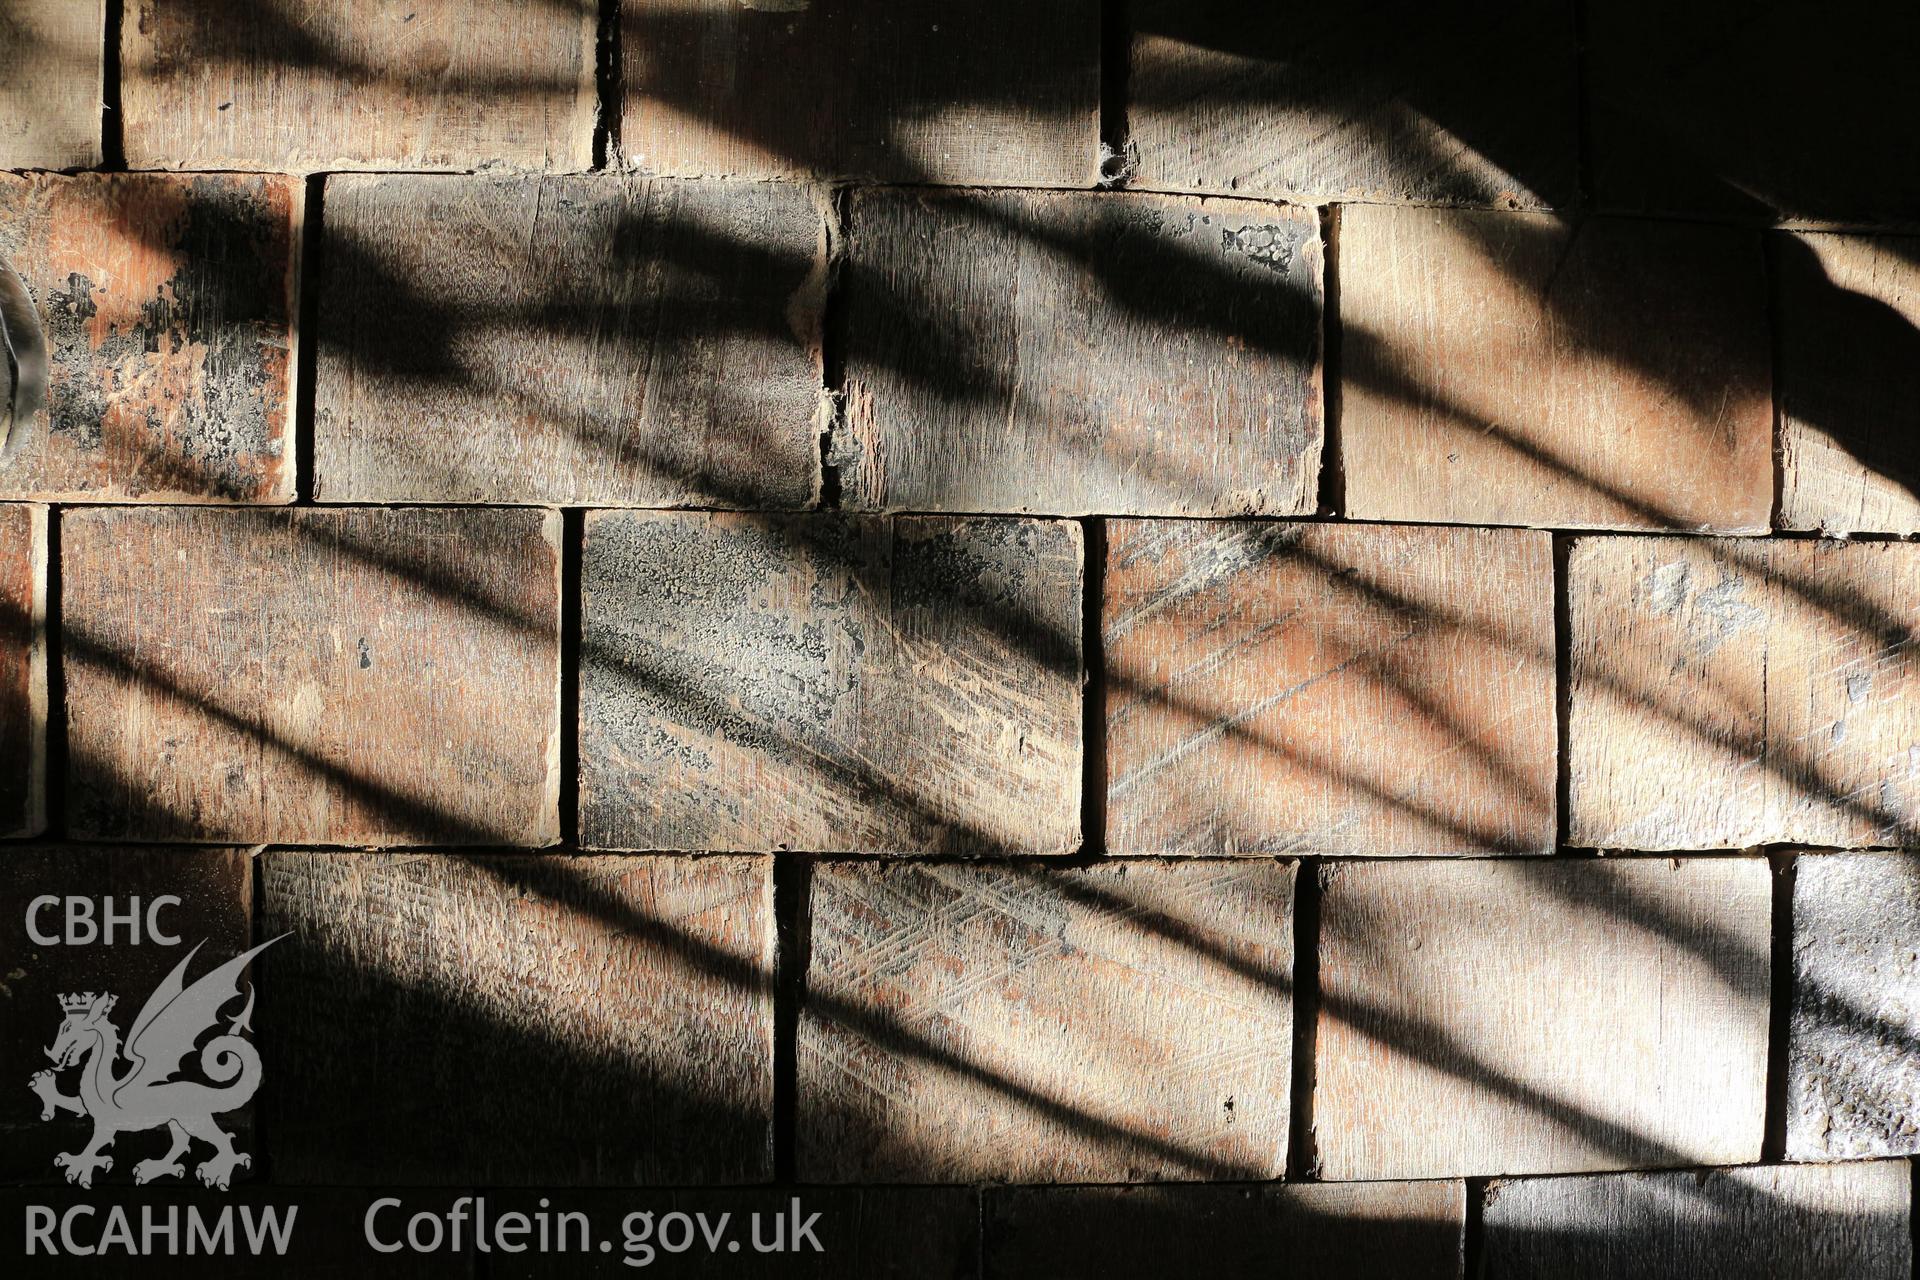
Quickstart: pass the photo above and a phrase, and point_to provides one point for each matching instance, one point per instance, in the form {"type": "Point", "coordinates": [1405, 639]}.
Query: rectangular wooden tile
{"type": "Point", "coordinates": [1074, 352]}
{"type": "Point", "coordinates": [359, 84]}
{"type": "Point", "coordinates": [570, 340]}
{"type": "Point", "coordinates": [88, 920]}
{"type": "Point", "coordinates": [991, 93]}
{"type": "Point", "coordinates": [1432, 104]}
{"type": "Point", "coordinates": [167, 307]}
{"type": "Point", "coordinates": [1009, 1023]}
{"type": "Point", "coordinates": [344, 677]}
{"type": "Point", "coordinates": [821, 1233]}
{"type": "Point", "coordinates": [1729, 693]}
{"type": "Point", "coordinates": [1688, 111]}
{"type": "Point", "coordinates": [1356, 1231]}
{"type": "Point", "coordinates": [1514, 368]}
{"type": "Point", "coordinates": [1788, 1222]}
{"type": "Point", "coordinates": [1853, 1042]}
{"type": "Point", "coordinates": [1318, 688]}
{"type": "Point", "coordinates": [544, 1021]}
{"type": "Point", "coordinates": [1849, 383]}
{"type": "Point", "coordinates": [23, 670]}
{"type": "Point", "coordinates": [1533, 1016]}
{"type": "Point", "coordinates": [50, 83]}
{"type": "Point", "coordinates": [883, 685]}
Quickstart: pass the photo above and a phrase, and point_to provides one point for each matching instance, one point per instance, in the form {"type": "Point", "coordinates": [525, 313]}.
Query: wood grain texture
{"type": "Point", "coordinates": [1008, 1023]}
{"type": "Point", "coordinates": [51, 83]}
{"type": "Point", "coordinates": [1787, 1222]}
{"type": "Point", "coordinates": [1730, 693]}
{"type": "Point", "coordinates": [1849, 383]}
{"type": "Point", "coordinates": [906, 685]}
{"type": "Point", "coordinates": [1462, 1004]}
{"type": "Point", "coordinates": [1357, 1231]}
{"type": "Point", "coordinates": [1315, 688]}
{"type": "Point", "coordinates": [1388, 100]}
{"type": "Point", "coordinates": [1512, 368]}
{"type": "Point", "coordinates": [995, 92]}
{"type": "Point", "coordinates": [1074, 352]}
{"type": "Point", "coordinates": [1688, 112]}
{"type": "Point", "coordinates": [215, 912]}
{"type": "Point", "coordinates": [342, 677]}
{"type": "Point", "coordinates": [866, 1233]}
{"type": "Point", "coordinates": [167, 304]}
{"type": "Point", "coordinates": [570, 340]}
{"type": "Point", "coordinates": [520, 1020]}
{"type": "Point", "coordinates": [23, 670]}
{"type": "Point", "coordinates": [1853, 1045]}
{"type": "Point", "coordinates": [358, 84]}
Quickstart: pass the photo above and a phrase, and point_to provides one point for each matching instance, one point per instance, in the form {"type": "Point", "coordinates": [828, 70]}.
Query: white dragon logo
{"type": "Point", "coordinates": [145, 1096]}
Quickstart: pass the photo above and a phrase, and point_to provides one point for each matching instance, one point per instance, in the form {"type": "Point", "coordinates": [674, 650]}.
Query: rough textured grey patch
{"type": "Point", "coordinates": [880, 685]}
{"type": "Point", "coordinates": [1355, 1230]}
{"type": "Point", "coordinates": [1805, 1222]}
{"type": "Point", "coordinates": [1853, 1050]}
